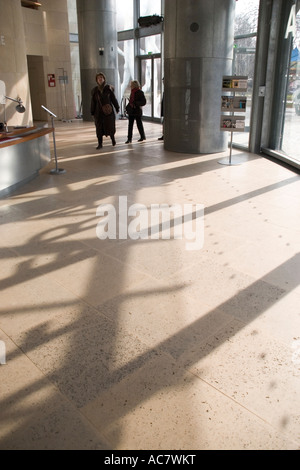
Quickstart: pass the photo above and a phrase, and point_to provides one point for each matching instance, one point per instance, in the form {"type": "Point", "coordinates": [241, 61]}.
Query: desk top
{"type": "Point", "coordinates": [13, 131]}
{"type": "Point", "coordinates": [23, 134]}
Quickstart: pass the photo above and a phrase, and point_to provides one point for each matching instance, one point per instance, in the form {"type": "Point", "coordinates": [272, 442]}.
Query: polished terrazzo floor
{"type": "Point", "coordinates": [129, 344]}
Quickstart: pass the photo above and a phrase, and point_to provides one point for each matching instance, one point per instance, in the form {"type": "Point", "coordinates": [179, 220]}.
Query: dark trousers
{"type": "Point", "coordinates": [99, 132]}
{"type": "Point", "coordinates": [139, 124]}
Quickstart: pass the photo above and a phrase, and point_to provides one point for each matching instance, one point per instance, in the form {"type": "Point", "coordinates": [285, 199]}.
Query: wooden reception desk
{"type": "Point", "coordinates": [23, 152]}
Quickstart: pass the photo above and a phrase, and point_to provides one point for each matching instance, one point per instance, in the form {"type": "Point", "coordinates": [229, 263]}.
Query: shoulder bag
{"type": "Point", "coordinates": [129, 110]}
{"type": "Point", "coordinates": [106, 108]}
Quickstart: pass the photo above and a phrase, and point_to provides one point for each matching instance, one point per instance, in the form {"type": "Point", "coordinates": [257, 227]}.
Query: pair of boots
{"type": "Point", "coordinates": [113, 141]}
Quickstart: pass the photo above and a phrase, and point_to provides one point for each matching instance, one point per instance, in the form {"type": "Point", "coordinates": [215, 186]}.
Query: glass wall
{"type": "Point", "coordinates": [150, 44]}
{"type": "Point", "coordinates": [150, 7]}
{"type": "Point", "coordinates": [125, 69]}
{"type": "Point", "coordinates": [124, 15]}
{"type": "Point", "coordinates": [75, 61]}
{"type": "Point", "coordinates": [139, 52]}
{"type": "Point", "coordinates": [245, 32]}
{"type": "Point", "coordinates": [152, 85]}
{"type": "Point", "coordinates": [290, 144]}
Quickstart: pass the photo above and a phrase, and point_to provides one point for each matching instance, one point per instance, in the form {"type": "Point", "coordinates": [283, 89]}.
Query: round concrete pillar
{"type": "Point", "coordinates": [97, 33]}
{"type": "Point", "coordinates": [198, 51]}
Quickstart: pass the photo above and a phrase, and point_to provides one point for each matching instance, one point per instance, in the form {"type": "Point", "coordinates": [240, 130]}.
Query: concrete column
{"type": "Point", "coordinates": [198, 51]}
{"type": "Point", "coordinates": [97, 34]}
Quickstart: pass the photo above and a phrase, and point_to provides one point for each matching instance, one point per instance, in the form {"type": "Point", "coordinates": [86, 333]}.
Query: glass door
{"type": "Point", "coordinates": [151, 84]}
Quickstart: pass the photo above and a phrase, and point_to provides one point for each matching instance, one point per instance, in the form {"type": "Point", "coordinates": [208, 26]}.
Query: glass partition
{"type": "Point", "coordinates": [150, 7]}
{"type": "Point", "coordinates": [157, 88]}
{"type": "Point", "coordinates": [246, 19]}
{"type": "Point", "coordinates": [139, 55]}
{"type": "Point", "coordinates": [150, 44]}
{"type": "Point", "coordinates": [291, 130]}
{"type": "Point", "coordinates": [124, 15]}
{"type": "Point", "coordinates": [152, 86]}
{"type": "Point", "coordinates": [125, 68]}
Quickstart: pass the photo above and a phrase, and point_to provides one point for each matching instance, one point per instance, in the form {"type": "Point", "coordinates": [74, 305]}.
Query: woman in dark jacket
{"type": "Point", "coordinates": [136, 101]}
{"type": "Point", "coordinates": [103, 94]}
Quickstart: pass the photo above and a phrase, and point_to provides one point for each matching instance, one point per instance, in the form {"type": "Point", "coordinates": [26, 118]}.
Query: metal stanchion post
{"type": "Point", "coordinates": [56, 170]}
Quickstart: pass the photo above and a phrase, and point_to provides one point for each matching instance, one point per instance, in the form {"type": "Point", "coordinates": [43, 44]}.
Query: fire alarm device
{"type": "Point", "coordinates": [51, 79]}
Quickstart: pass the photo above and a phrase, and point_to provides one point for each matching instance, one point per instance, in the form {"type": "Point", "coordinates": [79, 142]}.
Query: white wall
{"type": "Point", "coordinates": [41, 34]}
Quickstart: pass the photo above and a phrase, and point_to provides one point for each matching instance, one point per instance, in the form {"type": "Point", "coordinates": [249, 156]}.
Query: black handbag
{"type": "Point", "coordinates": [129, 110]}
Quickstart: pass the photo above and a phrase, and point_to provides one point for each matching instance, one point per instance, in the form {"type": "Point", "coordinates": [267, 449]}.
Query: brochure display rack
{"type": "Point", "coordinates": [232, 103]}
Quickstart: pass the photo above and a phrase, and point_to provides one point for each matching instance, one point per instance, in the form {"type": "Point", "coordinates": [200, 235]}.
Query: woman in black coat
{"type": "Point", "coordinates": [134, 110]}
{"type": "Point", "coordinates": [103, 94]}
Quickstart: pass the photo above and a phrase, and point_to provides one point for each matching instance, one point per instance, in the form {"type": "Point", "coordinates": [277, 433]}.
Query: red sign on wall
{"type": "Point", "coordinates": [51, 79]}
